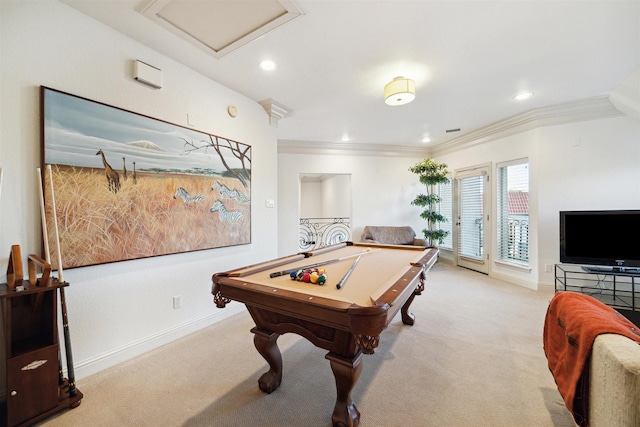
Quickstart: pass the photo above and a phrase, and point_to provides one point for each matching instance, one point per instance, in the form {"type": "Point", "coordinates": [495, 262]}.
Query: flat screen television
{"type": "Point", "coordinates": [607, 239]}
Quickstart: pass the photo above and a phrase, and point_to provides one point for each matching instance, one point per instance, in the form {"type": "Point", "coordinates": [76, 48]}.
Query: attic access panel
{"type": "Point", "coordinates": [220, 27]}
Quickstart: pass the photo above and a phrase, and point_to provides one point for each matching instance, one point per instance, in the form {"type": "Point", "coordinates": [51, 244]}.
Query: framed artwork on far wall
{"type": "Point", "coordinates": [128, 186]}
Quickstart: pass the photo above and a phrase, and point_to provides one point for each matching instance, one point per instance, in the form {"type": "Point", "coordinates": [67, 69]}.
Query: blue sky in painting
{"type": "Point", "coordinates": [75, 129]}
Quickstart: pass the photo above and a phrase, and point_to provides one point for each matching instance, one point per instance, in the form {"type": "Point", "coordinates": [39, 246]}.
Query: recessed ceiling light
{"type": "Point", "coordinates": [522, 96]}
{"type": "Point", "coordinates": [426, 139]}
{"type": "Point", "coordinates": [268, 65]}
{"type": "Point", "coordinates": [345, 138]}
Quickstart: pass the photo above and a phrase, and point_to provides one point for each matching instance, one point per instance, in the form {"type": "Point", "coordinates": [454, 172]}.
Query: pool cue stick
{"type": "Point", "coordinates": [63, 303]}
{"type": "Point", "coordinates": [47, 255]}
{"type": "Point", "coordinates": [342, 281]}
{"type": "Point", "coordinates": [55, 224]}
{"type": "Point", "coordinates": [317, 264]}
{"type": "Point", "coordinates": [45, 236]}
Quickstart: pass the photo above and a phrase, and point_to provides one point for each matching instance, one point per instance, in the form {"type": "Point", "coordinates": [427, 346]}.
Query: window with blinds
{"type": "Point", "coordinates": [513, 211]}
{"type": "Point", "coordinates": [445, 208]}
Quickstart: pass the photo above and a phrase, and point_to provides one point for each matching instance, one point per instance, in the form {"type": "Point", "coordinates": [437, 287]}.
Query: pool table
{"type": "Point", "coordinates": [381, 280]}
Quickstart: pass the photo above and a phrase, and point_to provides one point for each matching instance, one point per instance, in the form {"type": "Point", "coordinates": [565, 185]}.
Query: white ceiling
{"type": "Point", "coordinates": [468, 59]}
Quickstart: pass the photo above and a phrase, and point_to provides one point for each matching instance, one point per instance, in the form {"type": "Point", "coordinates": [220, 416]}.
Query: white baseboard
{"type": "Point", "coordinates": [547, 287]}
{"type": "Point", "coordinates": [515, 280]}
{"type": "Point", "coordinates": [111, 358]}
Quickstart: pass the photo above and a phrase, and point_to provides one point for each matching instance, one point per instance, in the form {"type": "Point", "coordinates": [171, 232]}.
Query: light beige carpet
{"type": "Point", "coordinates": [473, 358]}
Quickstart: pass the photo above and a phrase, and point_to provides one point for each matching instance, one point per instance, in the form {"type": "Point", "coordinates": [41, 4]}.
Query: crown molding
{"type": "Point", "coordinates": [626, 97]}
{"type": "Point", "coordinates": [275, 110]}
{"type": "Point", "coordinates": [586, 109]}
{"type": "Point", "coordinates": [350, 149]}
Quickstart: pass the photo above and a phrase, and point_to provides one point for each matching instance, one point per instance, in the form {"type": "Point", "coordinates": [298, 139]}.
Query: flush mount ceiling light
{"type": "Point", "coordinates": [399, 91]}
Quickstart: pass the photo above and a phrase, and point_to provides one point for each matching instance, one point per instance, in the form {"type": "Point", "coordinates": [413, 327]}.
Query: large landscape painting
{"type": "Point", "coordinates": [128, 186]}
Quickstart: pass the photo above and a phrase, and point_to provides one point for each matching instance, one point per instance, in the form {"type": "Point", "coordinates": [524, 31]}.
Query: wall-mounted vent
{"type": "Point", "coordinates": [147, 74]}
{"type": "Point", "coordinates": [452, 130]}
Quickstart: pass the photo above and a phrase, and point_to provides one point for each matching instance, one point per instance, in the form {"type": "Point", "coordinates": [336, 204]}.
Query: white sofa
{"type": "Point", "coordinates": [614, 391]}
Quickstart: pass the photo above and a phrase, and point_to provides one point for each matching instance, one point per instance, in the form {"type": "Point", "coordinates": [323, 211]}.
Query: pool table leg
{"type": "Point", "coordinates": [346, 372]}
{"type": "Point", "coordinates": [409, 318]}
{"type": "Point", "coordinates": [267, 346]}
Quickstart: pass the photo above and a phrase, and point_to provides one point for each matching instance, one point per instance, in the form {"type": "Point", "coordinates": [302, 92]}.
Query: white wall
{"type": "Point", "coordinates": [119, 310]}
{"type": "Point", "coordinates": [588, 165]}
{"type": "Point", "coordinates": [311, 199]}
{"type": "Point", "coordinates": [382, 189]}
{"type": "Point", "coordinates": [336, 196]}
{"type": "Point", "coordinates": [583, 165]}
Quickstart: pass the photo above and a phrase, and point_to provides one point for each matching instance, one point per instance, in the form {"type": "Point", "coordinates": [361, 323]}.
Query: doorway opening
{"type": "Point", "coordinates": [324, 211]}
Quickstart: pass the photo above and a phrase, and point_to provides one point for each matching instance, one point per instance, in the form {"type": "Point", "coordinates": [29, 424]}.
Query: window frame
{"type": "Point", "coordinates": [502, 253]}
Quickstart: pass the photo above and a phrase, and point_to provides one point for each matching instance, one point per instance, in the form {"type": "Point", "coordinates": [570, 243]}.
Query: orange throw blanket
{"type": "Point", "coordinates": [572, 323]}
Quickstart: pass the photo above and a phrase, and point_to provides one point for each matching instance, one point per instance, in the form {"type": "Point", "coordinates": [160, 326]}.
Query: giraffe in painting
{"type": "Point", "coordinates": [124, 169]}
{"type": "Point", "coordinates": [113, 179]}
{"type": "Point", "coordinates": [134, 177]}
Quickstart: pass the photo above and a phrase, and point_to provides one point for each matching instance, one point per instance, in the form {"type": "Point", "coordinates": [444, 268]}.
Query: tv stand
{"type": "Point", "coordinates": [618, 287]}
{"type": "Point", "coordinates": [608, 268]}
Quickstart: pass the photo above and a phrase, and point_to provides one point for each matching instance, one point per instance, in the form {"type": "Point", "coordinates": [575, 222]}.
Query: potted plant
{"type": "Point", "coordinates": [431, 173]}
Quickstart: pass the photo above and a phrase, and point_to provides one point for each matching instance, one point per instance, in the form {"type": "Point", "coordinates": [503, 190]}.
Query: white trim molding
{"type": "Point", "coordinates": [599, 107]}
{"type": "Point", "coordinates": [587, 109]}
{"type": "Point", "coordinates": [353, 149]}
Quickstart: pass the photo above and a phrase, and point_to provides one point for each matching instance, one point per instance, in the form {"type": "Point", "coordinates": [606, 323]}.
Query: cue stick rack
{"type": "Point", "coordinates": [33, 385]}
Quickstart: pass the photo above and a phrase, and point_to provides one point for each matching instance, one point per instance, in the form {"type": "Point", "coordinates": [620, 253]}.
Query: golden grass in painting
{"type": "Point", "coordinates": [97, 226]}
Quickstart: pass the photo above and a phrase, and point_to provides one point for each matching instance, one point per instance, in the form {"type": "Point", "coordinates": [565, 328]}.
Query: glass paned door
{"type": "Point", "coordinates": [472, 224]}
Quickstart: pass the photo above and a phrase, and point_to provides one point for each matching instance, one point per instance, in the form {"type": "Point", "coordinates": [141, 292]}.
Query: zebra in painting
{"type": "Point", "coordinates": [227, 193]}
{"type": "Point", "coordinates": [188, 198]}
{"type": "Point", "coordinates": [224, 214]}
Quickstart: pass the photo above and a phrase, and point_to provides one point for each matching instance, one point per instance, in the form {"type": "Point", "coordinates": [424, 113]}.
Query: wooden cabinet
{"type": "Point", "coordinates": [32, 380]}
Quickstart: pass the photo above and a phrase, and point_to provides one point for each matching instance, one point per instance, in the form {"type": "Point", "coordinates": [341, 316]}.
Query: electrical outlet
{"type": "Point", "coordinates": [548, 268]}
{"type": "Point", "coordinates": [177, 302]}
